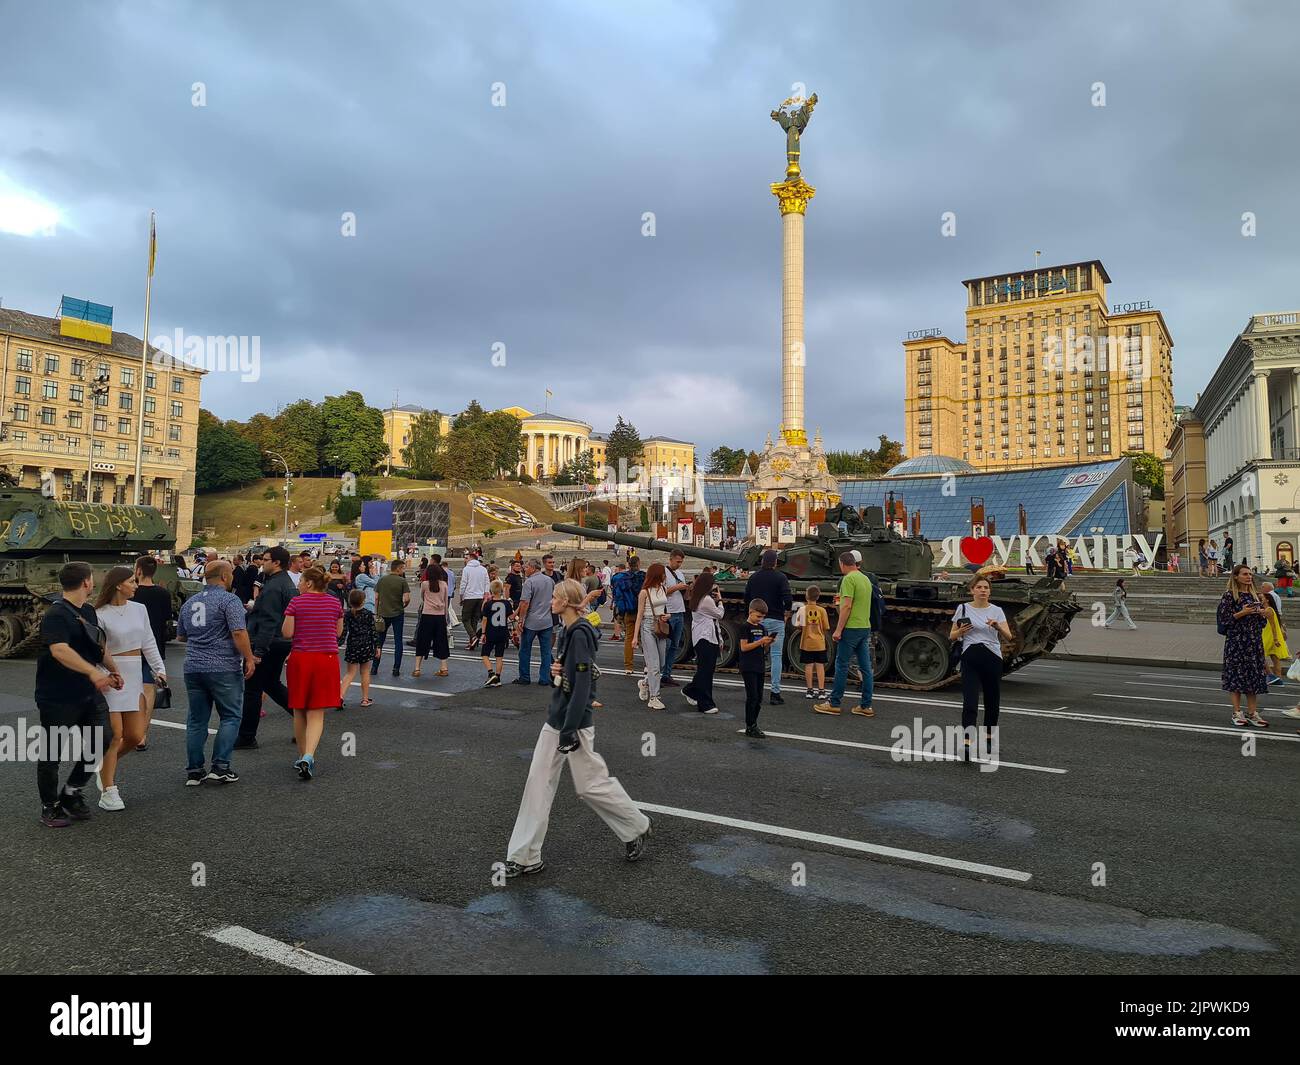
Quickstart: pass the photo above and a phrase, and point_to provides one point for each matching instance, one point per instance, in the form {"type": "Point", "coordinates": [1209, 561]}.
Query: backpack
{"type": "Point", "coordinates": [626, 591]}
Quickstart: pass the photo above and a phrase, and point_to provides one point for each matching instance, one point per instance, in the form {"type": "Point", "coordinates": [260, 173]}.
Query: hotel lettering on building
{"type": "Point", "coordinates": [55, 422]}
{"type": "Point", "coordinates": [1049, 374]}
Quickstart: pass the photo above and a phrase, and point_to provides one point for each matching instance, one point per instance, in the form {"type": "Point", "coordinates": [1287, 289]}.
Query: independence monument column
{"type": "Point", "coordinates": [792, 196]}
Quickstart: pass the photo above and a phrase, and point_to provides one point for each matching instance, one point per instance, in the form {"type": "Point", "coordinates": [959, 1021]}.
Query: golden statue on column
{"type": "Point", "coordinates": [791, 470]}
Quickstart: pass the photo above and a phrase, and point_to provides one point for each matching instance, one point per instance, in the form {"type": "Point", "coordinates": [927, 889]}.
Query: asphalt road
{"type": "Point", "coordinates": [1126, 830]}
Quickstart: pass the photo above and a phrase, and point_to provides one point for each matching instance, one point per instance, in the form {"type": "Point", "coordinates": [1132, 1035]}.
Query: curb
{"type": "Point", "coordinates": [1124, 660]}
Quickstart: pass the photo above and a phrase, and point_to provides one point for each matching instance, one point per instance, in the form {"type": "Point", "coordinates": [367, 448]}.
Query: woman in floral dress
{"type": "Point", "coordinates": [1243, 613]}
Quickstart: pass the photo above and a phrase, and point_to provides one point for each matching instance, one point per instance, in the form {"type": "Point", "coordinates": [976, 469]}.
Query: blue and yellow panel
{"type": "Point", "coordinates": [86, 320]}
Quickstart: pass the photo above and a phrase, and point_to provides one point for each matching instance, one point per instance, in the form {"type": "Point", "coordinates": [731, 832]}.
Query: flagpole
{"type": "Point", "coordinates": [144, 367]}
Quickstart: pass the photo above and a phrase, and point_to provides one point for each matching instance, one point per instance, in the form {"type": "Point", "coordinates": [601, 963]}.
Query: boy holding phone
{"type": "Point", "coordinates": [754, 642]}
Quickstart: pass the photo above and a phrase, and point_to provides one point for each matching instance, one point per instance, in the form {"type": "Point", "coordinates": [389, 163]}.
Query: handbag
{"type": "Point", "coordinates": [162, 697]}
{"type": "Point", "coordinates": [662, 627]}
{"type": "Point", "coordinates": [1293, 671]}
{"type": "Point", "coordinates": [954, 652]}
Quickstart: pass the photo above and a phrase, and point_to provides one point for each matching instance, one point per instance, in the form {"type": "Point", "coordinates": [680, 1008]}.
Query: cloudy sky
{"type": "Point", "coordinates": [521, 225]}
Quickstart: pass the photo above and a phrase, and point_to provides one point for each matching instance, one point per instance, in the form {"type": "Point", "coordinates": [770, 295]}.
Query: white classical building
{"type": "Point", "coordinates": [1251, 414]}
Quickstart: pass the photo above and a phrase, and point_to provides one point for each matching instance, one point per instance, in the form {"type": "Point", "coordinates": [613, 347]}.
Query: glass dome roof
{"type": "Point", "coordinates": [932, 464]}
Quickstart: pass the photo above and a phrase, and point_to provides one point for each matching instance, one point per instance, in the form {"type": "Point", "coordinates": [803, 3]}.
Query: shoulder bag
{"type": "Point", "coordinates": [954, 652]}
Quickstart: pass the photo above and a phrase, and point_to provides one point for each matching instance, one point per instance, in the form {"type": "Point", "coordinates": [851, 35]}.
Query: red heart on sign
{"type": "Point", "coordinates": [976, 549]}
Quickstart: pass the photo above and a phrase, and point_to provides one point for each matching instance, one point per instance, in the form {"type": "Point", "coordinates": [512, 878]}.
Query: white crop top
{"type": "Point", "coordinates": [127, 629]}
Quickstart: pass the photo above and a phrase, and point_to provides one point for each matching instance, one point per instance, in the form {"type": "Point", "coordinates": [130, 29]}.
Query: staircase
{"type": "Point", "coordinates": [1168, 597]}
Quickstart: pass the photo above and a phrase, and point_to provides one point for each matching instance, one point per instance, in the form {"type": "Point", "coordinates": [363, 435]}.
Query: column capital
{"type": "Point", "coordinates": [793, 195]}
{"type": "Point", "coordinates": [1257, 372]}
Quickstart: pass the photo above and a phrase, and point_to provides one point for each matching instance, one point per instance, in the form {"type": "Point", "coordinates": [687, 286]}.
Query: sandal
{"type": "Point", "coordinates": [416, 673]}
{"type": "Point", "coordinates": [367, 702]}
{"type": "Point", "coordinates": [442, 673]}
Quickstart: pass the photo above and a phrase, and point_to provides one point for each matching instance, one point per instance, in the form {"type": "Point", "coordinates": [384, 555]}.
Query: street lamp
{"type": "Point", "coordinates": [288, 479]}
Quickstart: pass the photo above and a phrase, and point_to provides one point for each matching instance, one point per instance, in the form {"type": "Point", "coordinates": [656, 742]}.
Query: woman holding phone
{"type": "Point", "coordinates": [1242, 616]}
{"type": "Point", "coordinates": [978, 625]}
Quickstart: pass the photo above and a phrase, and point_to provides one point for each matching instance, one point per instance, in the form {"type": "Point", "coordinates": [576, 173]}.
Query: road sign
{"type": "Point", "coordinates": [312, 538]}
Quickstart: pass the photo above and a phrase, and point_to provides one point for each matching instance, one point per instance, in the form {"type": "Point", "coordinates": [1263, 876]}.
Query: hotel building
{"type": "Point", "coordinates": [69, 409]}
{"type": "Point", "coordinates": [1049, 374]}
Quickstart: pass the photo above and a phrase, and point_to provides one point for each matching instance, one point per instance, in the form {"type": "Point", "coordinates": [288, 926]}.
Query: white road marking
{"type": "Point", "coordinates": [1161, 699]}
{"type": "Point", "coordinates": [1179, 687]}
{"type": "Point", "coordinates": [838, 841]}
{"type": "Point", "coordinates": [282, 953]}
{"type": "Point", "coordinates": [414, 691]}
{"type": "Point", "coordinates": [176, 724]}
{"type": "Point", "coordinates": [920, 756]}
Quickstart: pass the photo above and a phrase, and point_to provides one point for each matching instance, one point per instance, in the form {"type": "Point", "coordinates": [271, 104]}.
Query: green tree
{"type": "Point", "coordinates": [645, 519]}
{"type": "Point", "coordinates": [624, 444]}
{"type": "Point", "coordinates": [223, 458]}
{"type": "Point", "coordinates": [726, 460]}
{"type": "Point", "coordinates": [1148, 471]}
{"type": "Point", "coordinates": [504, 431]}
{"type": "Point", "coordinates": [885, 457]}
{"type": "Point", "coordinates": [348, 508]}
{"type": "Point", "coordinates": [297, 435]}
{"type": "Point", "coordinates": [424, 453]}
{"type": "Point", "coordinates": [578, 470]}
{"type": "Point", "coordinates": [352, 433]}
{"type": "Point", "coordinates": [848, 463]}
{"type": "Point", "coordinates": [468, 456]}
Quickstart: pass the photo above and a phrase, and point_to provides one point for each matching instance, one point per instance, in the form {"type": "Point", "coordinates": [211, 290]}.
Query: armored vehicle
{"type": "Point", "coordinates": [38, 536]}
{"type": "Point", "coordinates": [911, 648]}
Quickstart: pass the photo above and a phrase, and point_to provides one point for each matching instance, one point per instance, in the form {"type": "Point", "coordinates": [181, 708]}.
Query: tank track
{"type": "Point", "coordinates": [29, 608]}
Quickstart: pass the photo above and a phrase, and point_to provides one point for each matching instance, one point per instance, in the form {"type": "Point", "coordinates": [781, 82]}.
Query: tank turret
{"type": "Point", "coordinates": [38, 536]}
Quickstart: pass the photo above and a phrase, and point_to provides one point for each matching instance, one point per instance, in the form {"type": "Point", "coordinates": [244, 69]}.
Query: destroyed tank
{"type": "Point", "coordinates": [38, 536]}
{"type": "Point", "coordinates": [911, 647]}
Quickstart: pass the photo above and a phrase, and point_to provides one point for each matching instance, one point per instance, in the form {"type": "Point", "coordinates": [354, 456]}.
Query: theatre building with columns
{"type": "Point", "coordinates": [69, 410]}
{"type": "Point", "coordinates": [1251, 416]}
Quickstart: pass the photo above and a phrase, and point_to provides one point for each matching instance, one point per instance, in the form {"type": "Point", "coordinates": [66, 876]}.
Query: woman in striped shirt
{"type": "Point", "coordinates": [313, 620]}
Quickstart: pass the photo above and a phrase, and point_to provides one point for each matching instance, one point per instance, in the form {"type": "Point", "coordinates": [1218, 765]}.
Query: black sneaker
{"type": "Point", "coordinates": [774, 699]}
{"type": "Point", "coordinates": [194, 777]}
{"type": "Point", "coordinates": [223, 776]}
{"type": "Point", "coordinates": [521, 680]}
{"type": "Point", "coordinates": [668, 682]}
{"type": "Point", "coordinates": [755, 733]}
{"type": "Point", "coordinates": [494, 681]}
{"type": "Point", "coordinates": [55, 817]}
{"type": "Point", "coordinates": [514, 869]}
{"type": "Point", "coordinates": [245, 745]}
{"type": "Point", "coordinates": [488, 683]}
{"type": "Point", "coordinates": [74, 806]}
{"type": "Point", "coordinates": [636, 848]}
{"type": "Point", "coordinates": [809, 693]}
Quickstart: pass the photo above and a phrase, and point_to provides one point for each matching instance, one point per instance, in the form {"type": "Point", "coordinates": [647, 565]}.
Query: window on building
{"type": "Point", "coordinates": [150, 380]}
{"type": "Point", "coordinates": [22, 386]}
{"type": "Point", "coordinates": [102, 370]}
{"type": "Point", "coordinates": [178, 409]}
{"type": "Point", "coordinates": [178, 385]}
{"type": "Point", "coordinates": [48, 415]}
{"type": "Point", "coordinates": [101, 423]}
{"type": "Point", "coordinates": [124, 401]}
{"type": "Point", "coordinates": [51, 363]}
{"type": "Point", "coordinates": [49, 390]}
{"type": "Point", "coordinates": [150, 405]}
{"type": "Point", "coordinates": [74, 419]}
{"type": "Point", "coordinates": [78, 367]}
{"type": "Point", "coordinates": [148, 428]}
{"type": "Point", "coordinates": [123, 425]}
{"type": "Point", "coordinates": [128, 376]}
{"type": "Point", "coordinates": [77, 393]}
{"type": "Point", "coordinates": [173, 453]}
{"type": "Point", "coordinates": [101, 399]}
{"type": "Point", "coordinates": [122, 450]}
{"type": "Point", "coordinates": [23, 360]}
{"type": "Point", "coordinates": [20, 412]}
{"type": "Point", "coordinates": [47, 441]}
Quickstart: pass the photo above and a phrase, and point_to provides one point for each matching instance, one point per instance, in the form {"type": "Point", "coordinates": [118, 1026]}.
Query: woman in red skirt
{"type": "Point", "coordinates": [313, 620]}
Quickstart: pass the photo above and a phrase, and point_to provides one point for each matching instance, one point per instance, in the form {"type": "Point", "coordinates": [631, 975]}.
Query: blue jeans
{"type": "Point", "coordinates": [226, 691]}
{"type": "Point", "coordinates": [543, 638]}
{"type": "Point", "coordinates": [776, 627]}
{"type": "Point", "coordinates": [854, 643]}
{"type": "Point", "coordinates": [393, 625]}
{"type": "Point", "coordinates": [675, 625]}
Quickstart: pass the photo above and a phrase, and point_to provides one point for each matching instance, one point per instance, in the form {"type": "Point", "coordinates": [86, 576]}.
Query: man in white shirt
{"type": "Point", "coordinates": [674, 584]}
{"type": "Point", "coordinates": [473, 590]}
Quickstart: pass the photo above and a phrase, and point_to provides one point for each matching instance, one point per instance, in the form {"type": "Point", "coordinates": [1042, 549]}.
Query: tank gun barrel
{"type": "Point", "coordinates": [649, 543]}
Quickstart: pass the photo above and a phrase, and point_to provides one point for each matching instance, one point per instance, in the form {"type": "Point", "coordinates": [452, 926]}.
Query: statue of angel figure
{"type": "Point", "coordinates": [794, 122]}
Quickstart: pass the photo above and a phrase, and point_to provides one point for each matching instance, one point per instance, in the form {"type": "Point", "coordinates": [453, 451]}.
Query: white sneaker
{"type": "Point", "coordinates": [111, 800]}
{"type": "Point", "coordinates": [1293, 712]}
{"type": "Point", "coordinates": [642, 690]}
{"type": "Point", "coordinates": [656, 703]}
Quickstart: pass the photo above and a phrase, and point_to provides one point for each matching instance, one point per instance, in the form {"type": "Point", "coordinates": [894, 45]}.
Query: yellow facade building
{"type": "Point", "coordinates": [1049, 374]}
{"type": "Point", "coordinates": [397, 431]}
{"type": "Point", "coordinates": [70, 410]}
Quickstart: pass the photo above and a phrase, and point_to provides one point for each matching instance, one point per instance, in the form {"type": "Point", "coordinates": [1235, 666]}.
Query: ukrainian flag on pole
{"type": "Point", "coordinates": [153, 243]}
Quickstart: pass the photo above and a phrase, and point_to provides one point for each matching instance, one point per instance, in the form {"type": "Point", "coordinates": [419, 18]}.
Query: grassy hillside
{"type": "Point", "coordinates": [244, 514]}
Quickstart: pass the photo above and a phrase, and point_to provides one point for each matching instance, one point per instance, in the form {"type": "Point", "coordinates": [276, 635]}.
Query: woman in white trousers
{"type": "Point", "coordinates": [568, 735]}
{"type": "Point", "coordinates": [652, 602]}
{"type": "Point", "coordinates": [1121, 609]}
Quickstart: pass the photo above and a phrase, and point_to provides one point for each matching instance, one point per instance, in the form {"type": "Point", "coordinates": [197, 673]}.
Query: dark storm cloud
{"type": "Point", "coordinates": [522, 225]}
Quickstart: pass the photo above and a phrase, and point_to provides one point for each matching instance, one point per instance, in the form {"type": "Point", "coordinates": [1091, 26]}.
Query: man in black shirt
{"type": "Point", "coordinates": [773, 587]}
{"type": "Point", "coordinates": [270, 648]}
{"type": "Point", "coordinates": [71, 673]}
{"type": "Point", "coordinates": [515, 583]}
{"type": "Point", "coordinates": [158, 602]}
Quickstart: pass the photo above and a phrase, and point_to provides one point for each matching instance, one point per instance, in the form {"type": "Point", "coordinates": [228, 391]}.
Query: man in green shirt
{"type": "Point", "coordinates": [391, 596]}
{"type": "Point", "coordinates": [852, 637]}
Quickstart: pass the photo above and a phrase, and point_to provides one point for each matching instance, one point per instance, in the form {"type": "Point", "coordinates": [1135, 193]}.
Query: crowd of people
{"type": "Point", "coordinates": [299, 632]}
